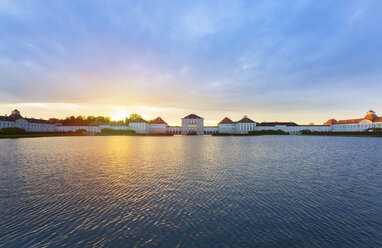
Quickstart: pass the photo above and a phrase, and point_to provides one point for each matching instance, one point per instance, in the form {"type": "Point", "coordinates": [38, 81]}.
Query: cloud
{"type": "Point", "coordinates": [240, 56]}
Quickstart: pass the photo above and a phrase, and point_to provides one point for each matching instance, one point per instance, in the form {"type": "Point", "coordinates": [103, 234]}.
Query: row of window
{"type": "Point", "coordinates": [210, 132]}
{"type": "Point", "coordinates": [31, 125]}
{"type": "Point", "coordinates": [6, 124]}
{"type": "Point", "coordinates": [247, 126]}
{"type": "Point", "coordinates": [193, 122]}
{"type": "Point", "coordinates": [175, 132]}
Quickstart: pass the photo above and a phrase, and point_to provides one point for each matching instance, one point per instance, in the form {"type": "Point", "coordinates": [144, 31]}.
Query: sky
{"type": "Point", "coordinates": [303, 61]}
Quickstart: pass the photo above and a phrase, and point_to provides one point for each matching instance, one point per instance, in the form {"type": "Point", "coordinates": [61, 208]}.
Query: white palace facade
{"type": "Point", "coordinates": [28, 124]}
{"type": "Point", "coordinates": [194, 125]}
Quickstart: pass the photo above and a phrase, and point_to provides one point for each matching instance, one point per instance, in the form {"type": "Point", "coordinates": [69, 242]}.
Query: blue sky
{"type": "Point", "coordinates": [305, 61]}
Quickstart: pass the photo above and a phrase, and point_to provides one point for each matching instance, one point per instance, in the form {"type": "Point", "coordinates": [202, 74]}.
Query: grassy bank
{"type": "Point", "coordinates": [344, 134]}
{"type": "Point", "coordinates": [135, 134]}
{"type": "Point", "coordinates": [37, 135]}
{"type": "Point", "coordinates": [40, 135]}
{"type": "Point", "coordinates": [254, 133]}
{"type": "Point", "coordinates": [268, 132]}
{"type": "Point", "coordinates": [112, 132]}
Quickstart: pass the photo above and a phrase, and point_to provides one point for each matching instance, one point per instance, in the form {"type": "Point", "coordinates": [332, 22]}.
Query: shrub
{"type": "Point", "coordinates": [374, 129]}
{"type": "Point", "coordinates": [80, 131]}
{"type": "Point", "coordinates": [12, 130]}
{"type": "Point", "coordinates": [109, 131]}
{"type": "Point", "coordinates": [268, 132]}
{"type": "Point", "coordinates": [306, 131]}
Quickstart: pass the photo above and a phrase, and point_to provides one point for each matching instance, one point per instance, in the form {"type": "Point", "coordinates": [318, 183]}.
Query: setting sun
{"type": "Point", "coordinates": [119, 115]}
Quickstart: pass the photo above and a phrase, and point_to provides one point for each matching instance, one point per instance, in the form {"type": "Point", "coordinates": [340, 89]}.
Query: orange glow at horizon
{"type": "Point", "coordinates": [170, 115]}
{"type": "Point", "coordinates": [119, 115]}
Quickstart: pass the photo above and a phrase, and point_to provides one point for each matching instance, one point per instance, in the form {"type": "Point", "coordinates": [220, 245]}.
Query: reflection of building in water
{"type": "Point", "coordinates": [193, 125]}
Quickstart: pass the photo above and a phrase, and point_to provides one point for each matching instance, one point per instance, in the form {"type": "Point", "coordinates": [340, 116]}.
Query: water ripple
{"type": "Point", "coordinates": [269, 191]}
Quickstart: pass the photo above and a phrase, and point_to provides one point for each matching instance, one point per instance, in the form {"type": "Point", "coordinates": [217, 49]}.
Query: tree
{"type": "Point", "coordinates": [84, 121]}
{"type": "Point", "coordinates": [103, 119]}
{"type": "Point", "coordinates": [305, 131]}
{"type": "Point", "coordinates": [132, 117]}
{"type": "Point", "coordinates": [80, 131]}
{"type": "Point", "coordinates": [90, 119]}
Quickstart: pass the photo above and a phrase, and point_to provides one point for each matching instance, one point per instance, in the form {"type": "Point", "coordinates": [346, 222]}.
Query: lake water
{"type": "Point", "coordinates": [266, 191]}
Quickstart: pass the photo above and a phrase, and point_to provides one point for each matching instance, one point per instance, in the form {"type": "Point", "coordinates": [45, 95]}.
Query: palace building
{"type": "Point", "coordinates": [371, 120]}
{"type": "Point", "coordinates": [242, 126]}
{"type": "Point", "coordinates": [245, 125]}
{"type": "Point", "coordinates": [158, 125]}
{"type": "Point", "coordinates": [140, 125]}
{"type": "Point", "coordinates": [28, 124]}
{"type": "Point", "coordinates": [193, 125]}
{"type": "Point", "coordinates": [227, 126]}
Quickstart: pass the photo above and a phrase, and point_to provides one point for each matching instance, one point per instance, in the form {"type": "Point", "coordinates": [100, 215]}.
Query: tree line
{"type": "Point", "coordinates": [87, 120]}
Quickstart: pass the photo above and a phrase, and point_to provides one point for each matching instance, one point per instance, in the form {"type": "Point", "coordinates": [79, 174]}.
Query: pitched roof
{"type": "Point", "coordinates": [192, 116]}
{"type": "Point", "coordinates": [226, 120]}
{"type": "Point", "coordinates": [268, 124]}
{"type": "Point", "coordinates": [31, 120]}
{"type": "Point", "coordinates": [378, 119]}
{"type": "Point", "coordinates": [371, 116]}
{"type": "Point", "coordinates": [331, 121]}
{"type": "Point", "coordinates": [158, 120]}
{"type": "Point", "coordinates": [16, 116]}
{"type": "Point", "coordinates": [139, 120]}
{"type": "Point", "coordinates": [350, 121]}
{"type": "Point", "coordinates": [245, 120]}
{"type": "Point", "coordinates": [115, 124]}
{"type": "Point", "coordinates": [6, 118]}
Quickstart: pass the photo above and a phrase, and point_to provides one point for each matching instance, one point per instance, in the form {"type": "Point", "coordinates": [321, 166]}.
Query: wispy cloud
{"type": "Point", "coordinates": [242, 57]}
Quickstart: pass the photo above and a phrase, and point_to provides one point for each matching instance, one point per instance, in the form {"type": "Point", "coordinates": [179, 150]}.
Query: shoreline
{"type": "Point", "coordinates": [344, 135]}
{"type": "Point", "coordinates": [39, 135]}
{"type": "Point", "coordinates": [42, 135]}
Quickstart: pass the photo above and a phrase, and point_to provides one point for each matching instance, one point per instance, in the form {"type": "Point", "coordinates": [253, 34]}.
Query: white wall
{"type": "Point", "coordinates": [5, 124]}
{"type": "Point", "coordinates": [27, 126]}
{"type": "Point", "coordinates": [92, 129]}
{"type": "Point", "coordinates": [158, 128]}
{"type": "Point", "coordinates": [174, 130]}
{"type": "Point", "coordinates": [192, 125]}
{"type": "Point", "coordinates": [227, 128]}
{"type": "Point", "coordinates": [295, 129]}
{"type": "Point", "coordinates": [245, 127]}
{"type": "Point", "coordinates": [139, 127]}
{"type": "Point", "coordinates": [123, 127]}
{"type": "Point", "coordinates": [354, 127]}
{"type": "Point", "coordinates": [210, 130]}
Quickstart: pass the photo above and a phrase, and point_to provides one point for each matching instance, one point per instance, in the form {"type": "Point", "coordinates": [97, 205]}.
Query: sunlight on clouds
{"type": "Point", "coordinates": [211, 123]}
{"type": "Point", "coordinates": [277, 61]}
{"type": "Point", "coordinates": [116, 113]}
{"type": "Point", "coordinates": [119, 115]}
